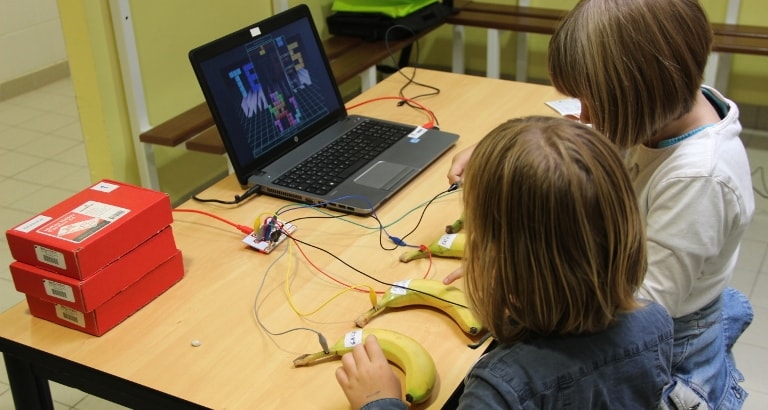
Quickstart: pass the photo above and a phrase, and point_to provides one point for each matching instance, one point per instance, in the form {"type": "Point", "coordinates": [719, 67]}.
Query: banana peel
{"type": "Point", "coordinates": [456, 226]}
{"type": "Point", "coordinates": [426, 292]}
{"type": "Point", "coordinates": [449, 245]}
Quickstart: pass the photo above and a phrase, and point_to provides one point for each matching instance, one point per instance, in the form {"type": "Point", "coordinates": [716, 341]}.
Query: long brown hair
{"type": "Point", "coordinates": [635, 64]}
{"type": "Point", "coordinates": [555, 241]}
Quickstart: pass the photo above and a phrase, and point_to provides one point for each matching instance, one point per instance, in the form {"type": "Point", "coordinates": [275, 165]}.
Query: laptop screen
{"type": "Point", "coordinates": [269, 87]}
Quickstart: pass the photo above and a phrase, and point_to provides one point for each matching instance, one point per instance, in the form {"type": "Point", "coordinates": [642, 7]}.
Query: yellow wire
{"type": "Point", "coordinates": [288, 294]}
{"type": "Point", "coordinates": [260, 219]}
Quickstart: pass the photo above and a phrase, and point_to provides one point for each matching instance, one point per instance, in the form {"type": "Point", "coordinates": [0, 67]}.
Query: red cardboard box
{"type": "Point", "coordinates": [86, 295]}
{"type": "Point", "coordinates": [115, 310]}
{"type": "Point", "coordinates": [92, 228]}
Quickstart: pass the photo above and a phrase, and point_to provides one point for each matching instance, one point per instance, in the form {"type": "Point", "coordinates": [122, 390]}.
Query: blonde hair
{"type": "Point", "coordinates": [636, 64]}
{"type": "Point", "coordinates": [555, 242]}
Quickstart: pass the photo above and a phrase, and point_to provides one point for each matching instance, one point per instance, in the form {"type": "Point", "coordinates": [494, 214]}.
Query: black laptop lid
{"type": "Point", "coordinates": [269, 88]}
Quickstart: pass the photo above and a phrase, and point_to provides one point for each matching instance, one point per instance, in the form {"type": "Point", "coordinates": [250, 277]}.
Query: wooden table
{"type": "Point", "coordinates": [149, 360]}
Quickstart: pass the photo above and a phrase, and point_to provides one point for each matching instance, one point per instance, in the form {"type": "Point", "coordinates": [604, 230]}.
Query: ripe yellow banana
{"type": "Point", "coordinates": [412, 292]}
{"type": "Point", "coordinates": [449, 245]}
{"type": "Point", "coordinates": [405, 352]}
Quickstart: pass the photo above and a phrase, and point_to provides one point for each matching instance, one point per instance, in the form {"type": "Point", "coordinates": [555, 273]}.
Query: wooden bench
{"type": "Point", "coordinates": [728, 38]}
{"type": "Point", "coordinates": [348, 57]}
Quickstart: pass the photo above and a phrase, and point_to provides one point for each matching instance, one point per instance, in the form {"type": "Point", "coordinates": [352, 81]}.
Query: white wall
{"type": "Point", "coordinates": [30, 37]}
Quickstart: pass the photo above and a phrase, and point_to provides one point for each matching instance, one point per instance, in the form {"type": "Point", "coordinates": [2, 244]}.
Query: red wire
{"type": "Point", "coordinates": [430, 114]}
{"type": "Point", "coordinates": [429, 267]}
{"type": "Point", "coordinates": [242, 228]}
{"type": "Point", "coordinates": [248, 230]}
{"type": "Point", "coordinates": [326, 274]}
{"type": "Point", "coordinates": [426, 274]}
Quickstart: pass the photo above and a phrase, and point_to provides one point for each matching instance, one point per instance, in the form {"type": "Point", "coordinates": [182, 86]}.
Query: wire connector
{"type": "Point", "coordinates": [271, 233]}
{"type": "Point", "coordinates": [397, 241]}
{"type": "Point", "coordinates": [323, 343]}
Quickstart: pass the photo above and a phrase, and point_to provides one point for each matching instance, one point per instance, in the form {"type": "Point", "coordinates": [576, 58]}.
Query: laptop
{"type": "Point", "coordinates": [276, 105]}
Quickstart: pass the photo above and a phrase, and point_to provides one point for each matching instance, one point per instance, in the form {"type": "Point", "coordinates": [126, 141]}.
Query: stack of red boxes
{"type": "Point", "coordinates": [97, 257]}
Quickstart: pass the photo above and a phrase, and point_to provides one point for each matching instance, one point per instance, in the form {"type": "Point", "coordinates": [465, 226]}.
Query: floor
{"type": "Point", "coordinates": [42, 161]}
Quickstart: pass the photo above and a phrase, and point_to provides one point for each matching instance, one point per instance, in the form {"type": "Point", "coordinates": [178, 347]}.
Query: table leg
{"type": "Point", "coordinates": [28, 389]}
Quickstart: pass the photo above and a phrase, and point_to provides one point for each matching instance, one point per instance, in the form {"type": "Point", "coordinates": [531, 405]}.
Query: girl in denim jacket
{"type": "Point", "coordinates": [555, 254]}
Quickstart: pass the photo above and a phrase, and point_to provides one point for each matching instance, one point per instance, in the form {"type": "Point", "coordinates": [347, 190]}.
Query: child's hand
{"type": "Point", "coordinates": [458, 164]}
{"type": "Point", "coordinates": [457, 274]}
{"type": "Point", "coordinates": [365, 375]}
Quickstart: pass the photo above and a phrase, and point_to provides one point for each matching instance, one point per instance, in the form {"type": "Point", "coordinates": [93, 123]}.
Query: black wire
{"type": "Point", "coordinates": [421, 218]}
{"type": "Point", "coordinates": [423, 211]}
{"type": "Point", "coordinates": [411, 79]}
{"type": "Point", "coordinates": [381, 228]}
{"type": "Point", "coordinates": [372, 216]}
{"type": "Point", "coordinates": [381, 225]}
{"type": "Point", "coordinates": [404, 101]}
{"type": "Point", "coordinates": [331, 254]}
{"type": "Point", "coordinates": [238, 198]}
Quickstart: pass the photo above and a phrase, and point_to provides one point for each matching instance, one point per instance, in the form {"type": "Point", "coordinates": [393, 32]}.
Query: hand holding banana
{"type": "Point", "coordinates": [403, 351]}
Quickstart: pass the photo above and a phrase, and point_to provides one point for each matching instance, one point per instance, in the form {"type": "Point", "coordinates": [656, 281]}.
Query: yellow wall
{"type": "Point", "coordinates": [164, 33]}
{"type": "Point", "coordinates": [100, 99]}
{"type": "Point", "coordinates": [166, 30]}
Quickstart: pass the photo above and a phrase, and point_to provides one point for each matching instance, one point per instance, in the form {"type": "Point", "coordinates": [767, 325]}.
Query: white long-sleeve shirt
{"type": "Point", "coordinates": [696, 198]}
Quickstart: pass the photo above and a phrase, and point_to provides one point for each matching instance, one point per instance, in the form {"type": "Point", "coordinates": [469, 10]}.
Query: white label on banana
{"type": "Point", "coordinates": [353, 338]}
{"type": "Point", "coordinates": [447, 240]}
{"type": "Point", "coordinates": [400, 287]}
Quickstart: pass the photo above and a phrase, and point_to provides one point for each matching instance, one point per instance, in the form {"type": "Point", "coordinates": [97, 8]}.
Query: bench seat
{"type": "Point", "coordinates": [729, 38]}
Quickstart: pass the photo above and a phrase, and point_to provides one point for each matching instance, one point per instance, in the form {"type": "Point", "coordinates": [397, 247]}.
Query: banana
{"type": "Point", "coordinates": [420, 292]}
{"type": "Point", "coordinates": [456, 225]}
{"type": "Point", "coordinates": [405, 352]}
{"type": "Point", "coordinates": [449, 245]}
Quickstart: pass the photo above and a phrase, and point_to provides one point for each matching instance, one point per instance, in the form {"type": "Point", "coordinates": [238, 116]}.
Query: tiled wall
{"type": "Point", "coordinates": [32, 51]}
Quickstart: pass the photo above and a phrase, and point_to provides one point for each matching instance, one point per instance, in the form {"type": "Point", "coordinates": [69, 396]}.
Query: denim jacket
{"type": "Point", "coordinates": [624, 367]}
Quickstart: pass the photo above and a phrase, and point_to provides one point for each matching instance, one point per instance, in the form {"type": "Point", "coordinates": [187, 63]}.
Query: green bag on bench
{"type": "Point", "coordinates": [391, 8]}
{"type": "Point", "coordinates": [374, 20]}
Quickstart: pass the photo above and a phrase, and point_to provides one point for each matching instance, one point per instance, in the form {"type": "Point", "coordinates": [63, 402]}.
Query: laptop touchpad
{"type": "Point", "coordinates": [384, 175]}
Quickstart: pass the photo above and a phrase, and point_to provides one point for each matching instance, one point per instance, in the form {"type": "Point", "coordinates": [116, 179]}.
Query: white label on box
{"type": "Point", "coordinates": [50, 257]}
{"type": "Point", "coordinates": [100, 210]}
{"type": "Point", "coordinates": [70, 315]}
{"type": "Point", "coordinates": [83, 221]}
{"type": "Point", "coordinates": [33, 223]}
{"type": "Point", "coordinates": [58, 290]}
{"type": "Point", "coordinates": [105, 187]}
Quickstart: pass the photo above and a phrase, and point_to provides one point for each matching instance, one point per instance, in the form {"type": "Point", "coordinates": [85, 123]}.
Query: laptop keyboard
{"type": "Point", "coordinates": [327, 168]}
